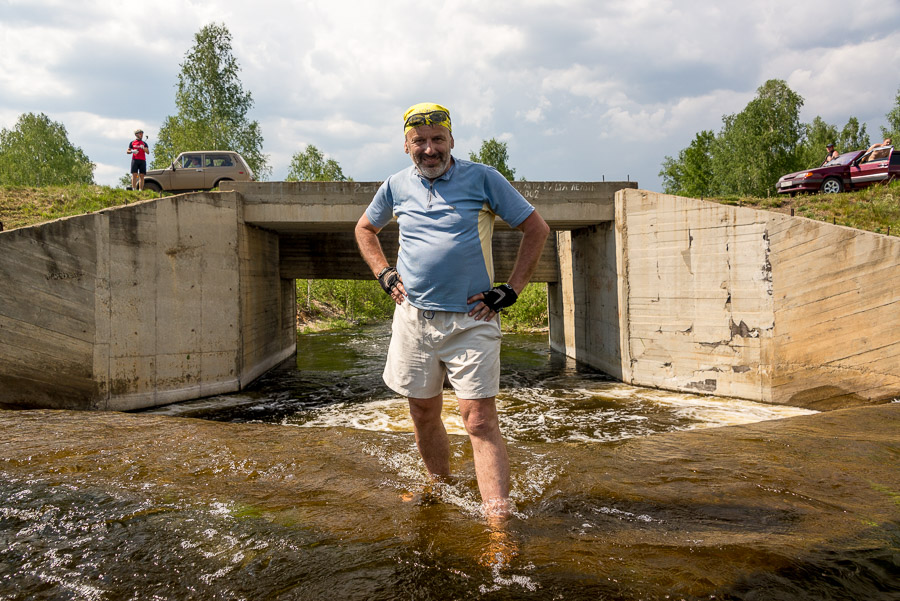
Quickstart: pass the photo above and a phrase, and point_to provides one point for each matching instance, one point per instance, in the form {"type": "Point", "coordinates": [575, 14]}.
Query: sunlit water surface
{"type": "Point", "coordinates": [207, 510]}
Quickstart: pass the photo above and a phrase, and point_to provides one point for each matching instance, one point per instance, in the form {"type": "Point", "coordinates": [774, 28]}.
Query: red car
{"type": "Point", "coordinates": [850, 171]}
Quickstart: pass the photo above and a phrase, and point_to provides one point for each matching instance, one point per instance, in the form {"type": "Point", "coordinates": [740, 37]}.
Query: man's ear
{"type": "Point", "coordinates": [405, 146]}
{"type": "Point", "coordinates": [451, 142]}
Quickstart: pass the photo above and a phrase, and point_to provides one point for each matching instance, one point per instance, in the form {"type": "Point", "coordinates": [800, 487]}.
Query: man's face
{"type": "Point", "coordinates": [429, 147]}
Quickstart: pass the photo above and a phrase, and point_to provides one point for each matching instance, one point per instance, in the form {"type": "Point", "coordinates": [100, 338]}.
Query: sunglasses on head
{"type": "Point", "coordinates": [430, 118]}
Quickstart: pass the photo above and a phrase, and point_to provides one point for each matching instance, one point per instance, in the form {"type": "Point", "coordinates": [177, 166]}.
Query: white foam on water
{"type": "Point", "coordinates": [606, 413]}
{"type": "Point", "coordinates": [216, 403]}
{"type": "Point", "coordinates": [384, 415]}
{"type": "Point", "coordinates": [503, 582]}
{"type": "Point", "coordinates": [713, 412]}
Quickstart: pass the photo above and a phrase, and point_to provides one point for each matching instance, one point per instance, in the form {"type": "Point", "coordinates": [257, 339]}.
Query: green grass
{"type": "Point", "coordinates": [21, 207]}
{"type": "Point", "coordinates": [874, 209]}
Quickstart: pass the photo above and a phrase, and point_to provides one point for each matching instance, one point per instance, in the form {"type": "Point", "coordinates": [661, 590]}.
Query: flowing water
{"type": "Point", "coordinates": [309, 486]}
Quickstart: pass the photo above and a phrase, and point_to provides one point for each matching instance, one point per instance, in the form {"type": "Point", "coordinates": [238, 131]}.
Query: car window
{"type": "Point", "coordinates": [845, 159]}
{"type": "Point", "coordinates": [219, 160]}
{"type": "Point", "coordinates": [190, 161]}
{"type": "Point", "coordinates": [895, 158]}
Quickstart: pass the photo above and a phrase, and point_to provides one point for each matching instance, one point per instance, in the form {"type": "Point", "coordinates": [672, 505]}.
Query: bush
{"type": "Point", "coordinates": [530, 311]}
{"type": "Point", "coordinates": [339, 303]}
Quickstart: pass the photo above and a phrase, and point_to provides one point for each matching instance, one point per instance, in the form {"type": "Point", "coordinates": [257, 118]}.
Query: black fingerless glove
{"type": "Point", "coordinates": [499, 297]}
{"type": "Point", "coordinates": [388, 278]}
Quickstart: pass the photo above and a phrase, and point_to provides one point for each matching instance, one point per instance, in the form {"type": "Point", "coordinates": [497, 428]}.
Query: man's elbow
{"type": "Point", "coordinates": [365, 228]}
{"type": "Point", "coordinates": [536, 227]}
{"type": "Point", "coordinates": [545, 229]}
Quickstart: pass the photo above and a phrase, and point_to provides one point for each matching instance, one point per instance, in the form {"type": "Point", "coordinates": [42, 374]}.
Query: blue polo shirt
{"type": "Point", "coordinates": [446, 227]}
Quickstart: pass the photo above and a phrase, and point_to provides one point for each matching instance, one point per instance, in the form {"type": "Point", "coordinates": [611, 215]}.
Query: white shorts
{"type": "Point", "coordinates": [429, 346]}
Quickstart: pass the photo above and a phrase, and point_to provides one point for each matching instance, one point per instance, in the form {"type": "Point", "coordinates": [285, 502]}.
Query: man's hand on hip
{"type": "Point", "coordinates": [391, 283]}
{"type": "Point", "coordinates": [492, 301]}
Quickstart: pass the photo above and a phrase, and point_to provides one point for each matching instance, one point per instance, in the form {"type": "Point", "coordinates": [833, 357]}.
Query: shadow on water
{"type": "Point", "coordinates": [309, 486]}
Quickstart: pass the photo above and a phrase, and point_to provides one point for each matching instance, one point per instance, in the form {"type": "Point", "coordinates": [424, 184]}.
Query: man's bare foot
{"type": "Point", "coordinates": [501, 548]}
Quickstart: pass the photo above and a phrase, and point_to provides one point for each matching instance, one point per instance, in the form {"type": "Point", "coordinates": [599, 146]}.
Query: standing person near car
{"type": "Point", "coordinates": [443, 289]}
{"type": "Point", "coordinates": [831, 153]}
{"type": "Point", "coordinates": [138, 150]}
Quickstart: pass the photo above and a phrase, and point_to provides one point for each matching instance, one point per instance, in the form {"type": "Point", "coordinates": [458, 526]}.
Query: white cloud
{"type": "Point", "coordinates": [572, 85]}
{"type": "Point", "coordinates": [840, 82]}
{"type": "Point", "coordinates": [29, 57]}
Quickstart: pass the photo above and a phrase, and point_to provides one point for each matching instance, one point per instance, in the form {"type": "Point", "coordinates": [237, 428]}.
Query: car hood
{"type": "Point", "coordinates": [830, 169]}
{"type": "Point", "coordinates": [843, 162]}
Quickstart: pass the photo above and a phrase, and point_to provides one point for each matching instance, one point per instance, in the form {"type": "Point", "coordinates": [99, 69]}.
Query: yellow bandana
{"type": "Point", "coordinates": [426, 113]}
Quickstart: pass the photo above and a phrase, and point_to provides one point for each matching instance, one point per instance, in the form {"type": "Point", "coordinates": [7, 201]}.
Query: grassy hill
{"type": "Point", "coordinates": [875, 209]}
{"type": "Point", "coordinates": [27, 206]}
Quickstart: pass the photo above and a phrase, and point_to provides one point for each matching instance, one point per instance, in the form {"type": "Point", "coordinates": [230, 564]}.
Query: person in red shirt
{"type": "Point", "coordinates": [138, 150]}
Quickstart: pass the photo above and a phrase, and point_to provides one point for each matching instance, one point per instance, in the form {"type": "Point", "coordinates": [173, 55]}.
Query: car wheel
{"type": "Point", "coordinates": [832, 185]}
{"type": "Point", "coordinates": [152, 186]}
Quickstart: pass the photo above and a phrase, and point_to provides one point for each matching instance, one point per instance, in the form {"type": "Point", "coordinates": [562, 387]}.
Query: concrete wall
{"type": "Point", "coordinates": [584, 304]}
{"type": "Point", "coordinates": [836, 299]}
{"type": "Point", "coordinates": [139, 306]}
{"type": "Point", "coordinates": [49, 313]}
{"type": "Point", "coordinates": [268, 305]}
{"type": "Point", "coordinates": [755, 304]}
{"type": "Point", "coordinates": [185, 297]}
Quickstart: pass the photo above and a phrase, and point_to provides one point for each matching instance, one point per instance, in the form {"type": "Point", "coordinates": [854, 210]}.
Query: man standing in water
{"type": "Point", "coordinates": [444, 322]}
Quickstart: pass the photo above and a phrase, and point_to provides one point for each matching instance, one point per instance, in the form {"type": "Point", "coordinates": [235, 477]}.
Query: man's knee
{"type": "Point", "coordinates": [481, 426]}
{"type": "Point", "coordinates": [480, 418]}
{"type": "Point", "coordinates": [426, 410]}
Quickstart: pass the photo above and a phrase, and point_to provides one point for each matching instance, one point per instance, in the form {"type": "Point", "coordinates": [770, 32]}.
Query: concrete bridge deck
{"type": "Point", "coordinates": [315, 220]}
{"type": "Point", "coordinates": [292, 207]}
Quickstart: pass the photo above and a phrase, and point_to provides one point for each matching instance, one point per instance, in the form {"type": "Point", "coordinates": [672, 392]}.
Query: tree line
{"type": "Point", "coordinates": [212, 114]}
{"type": "Point", "coordinates": [760, 144]}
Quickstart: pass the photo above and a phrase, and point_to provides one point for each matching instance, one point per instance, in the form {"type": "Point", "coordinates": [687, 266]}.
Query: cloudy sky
{"type": "Point", "coordinates": [580, 90]}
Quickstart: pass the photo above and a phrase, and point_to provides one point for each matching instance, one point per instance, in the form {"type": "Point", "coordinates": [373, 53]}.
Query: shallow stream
{"type": "Point", "coordinates": [309, 486]}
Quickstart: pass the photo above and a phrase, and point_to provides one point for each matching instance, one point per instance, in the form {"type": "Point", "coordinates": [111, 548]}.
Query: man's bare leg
{"type": "Point", "coordinates": [431, 436]}
{"type": "Point", "coordinates": [489, 450]}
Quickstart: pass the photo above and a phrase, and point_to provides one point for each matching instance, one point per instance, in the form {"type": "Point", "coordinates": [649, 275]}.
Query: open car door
{"type": "Point", "coordinates": [871, 168]}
